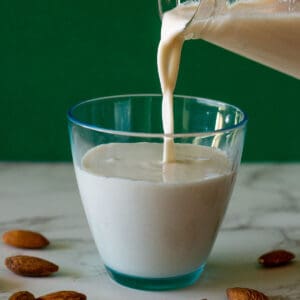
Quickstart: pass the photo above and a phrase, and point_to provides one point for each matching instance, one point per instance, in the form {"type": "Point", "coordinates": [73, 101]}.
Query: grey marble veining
{"type": "Point", "coordinates": [264, 214]}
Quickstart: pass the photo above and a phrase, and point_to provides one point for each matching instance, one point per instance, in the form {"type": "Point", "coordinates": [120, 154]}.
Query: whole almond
{"type": "Point", "coordinates": [276, 258]}
{"type": "Point", "coordinates": [25, 239]}
{"type": "Point", "coordinates": [30, 266]}
{"type": "Point", "coordinates": [63, 295]}
{"type": "Point", "coordinates": [22, 295]}
{"type": "Point", "coordinates": [238, 293]}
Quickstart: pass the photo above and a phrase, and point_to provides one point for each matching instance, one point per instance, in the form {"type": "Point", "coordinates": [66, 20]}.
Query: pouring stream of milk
{"type": "Point", "coordinates": [168, 60]}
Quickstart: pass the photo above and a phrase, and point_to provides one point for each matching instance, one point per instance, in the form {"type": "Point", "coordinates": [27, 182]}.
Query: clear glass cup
{"type": "Point", "coordinates": [155, 233]}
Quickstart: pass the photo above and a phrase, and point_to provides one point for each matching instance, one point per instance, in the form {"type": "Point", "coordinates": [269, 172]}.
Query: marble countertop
{"type": "Point", "coordinates": [264, 214]}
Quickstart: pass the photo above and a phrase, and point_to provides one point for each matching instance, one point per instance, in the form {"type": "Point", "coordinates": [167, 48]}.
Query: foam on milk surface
{"type": "Point", "coordinates": [142, 161]}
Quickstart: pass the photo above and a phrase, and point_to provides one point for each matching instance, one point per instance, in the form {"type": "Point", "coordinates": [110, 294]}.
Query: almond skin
{"type": "Point", "coordinates": [25, 239]}
{"type": "Point", "coordinates": [238, 293]}
{"type": "Point", "coordinates": [30, 266]}
{"type": "Point", "coordinates": [276, 258]}
{"type": "Point", "coordinates": [22, 295]}
{"type": "Point", "coordinates": [63, 295]}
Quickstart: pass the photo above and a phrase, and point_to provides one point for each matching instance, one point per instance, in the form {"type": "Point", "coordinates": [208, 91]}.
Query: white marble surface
{"type": "Point", "coordinates": [264, 214]}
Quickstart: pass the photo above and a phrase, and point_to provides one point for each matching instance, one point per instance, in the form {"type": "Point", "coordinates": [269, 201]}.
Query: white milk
{"type": "Point", "coordinates": [144, 226]}
{"type": "Point", "coordinates": [265, 31]}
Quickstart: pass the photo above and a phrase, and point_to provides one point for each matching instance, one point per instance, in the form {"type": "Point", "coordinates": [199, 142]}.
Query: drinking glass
{"type": "Point", "coordinates": [154, 234]}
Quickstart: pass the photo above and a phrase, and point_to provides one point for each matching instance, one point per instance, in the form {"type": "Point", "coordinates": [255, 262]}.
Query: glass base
{"type": "Point", "coordinates": [156, 284]}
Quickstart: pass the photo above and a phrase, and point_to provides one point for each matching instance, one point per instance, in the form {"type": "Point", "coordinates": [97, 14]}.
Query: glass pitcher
{"type": "Point", "coordinates": [266, 31]}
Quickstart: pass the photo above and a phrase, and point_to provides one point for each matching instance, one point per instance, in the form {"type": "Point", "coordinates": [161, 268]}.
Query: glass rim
{"type": "Point", "coordinates": [89, 126]}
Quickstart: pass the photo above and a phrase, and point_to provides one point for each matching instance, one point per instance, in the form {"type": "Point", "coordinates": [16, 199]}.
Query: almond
{"type": "Point", "coordinates": [238, 293]}
{"type": "Point", "coordinates": [276, 258]}
{"type": "Point", "coordinates": [22, 295]}
{"type": "Point", "coordinates": [30, 266]}
{"type": "Point", "coordinates": [25, 239]}
{"type": "Point", "coordinates": [63, 295]}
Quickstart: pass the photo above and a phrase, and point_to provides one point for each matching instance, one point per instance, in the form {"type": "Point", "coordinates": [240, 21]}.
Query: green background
{"type": "Point", "coordinates": [54, 53]}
